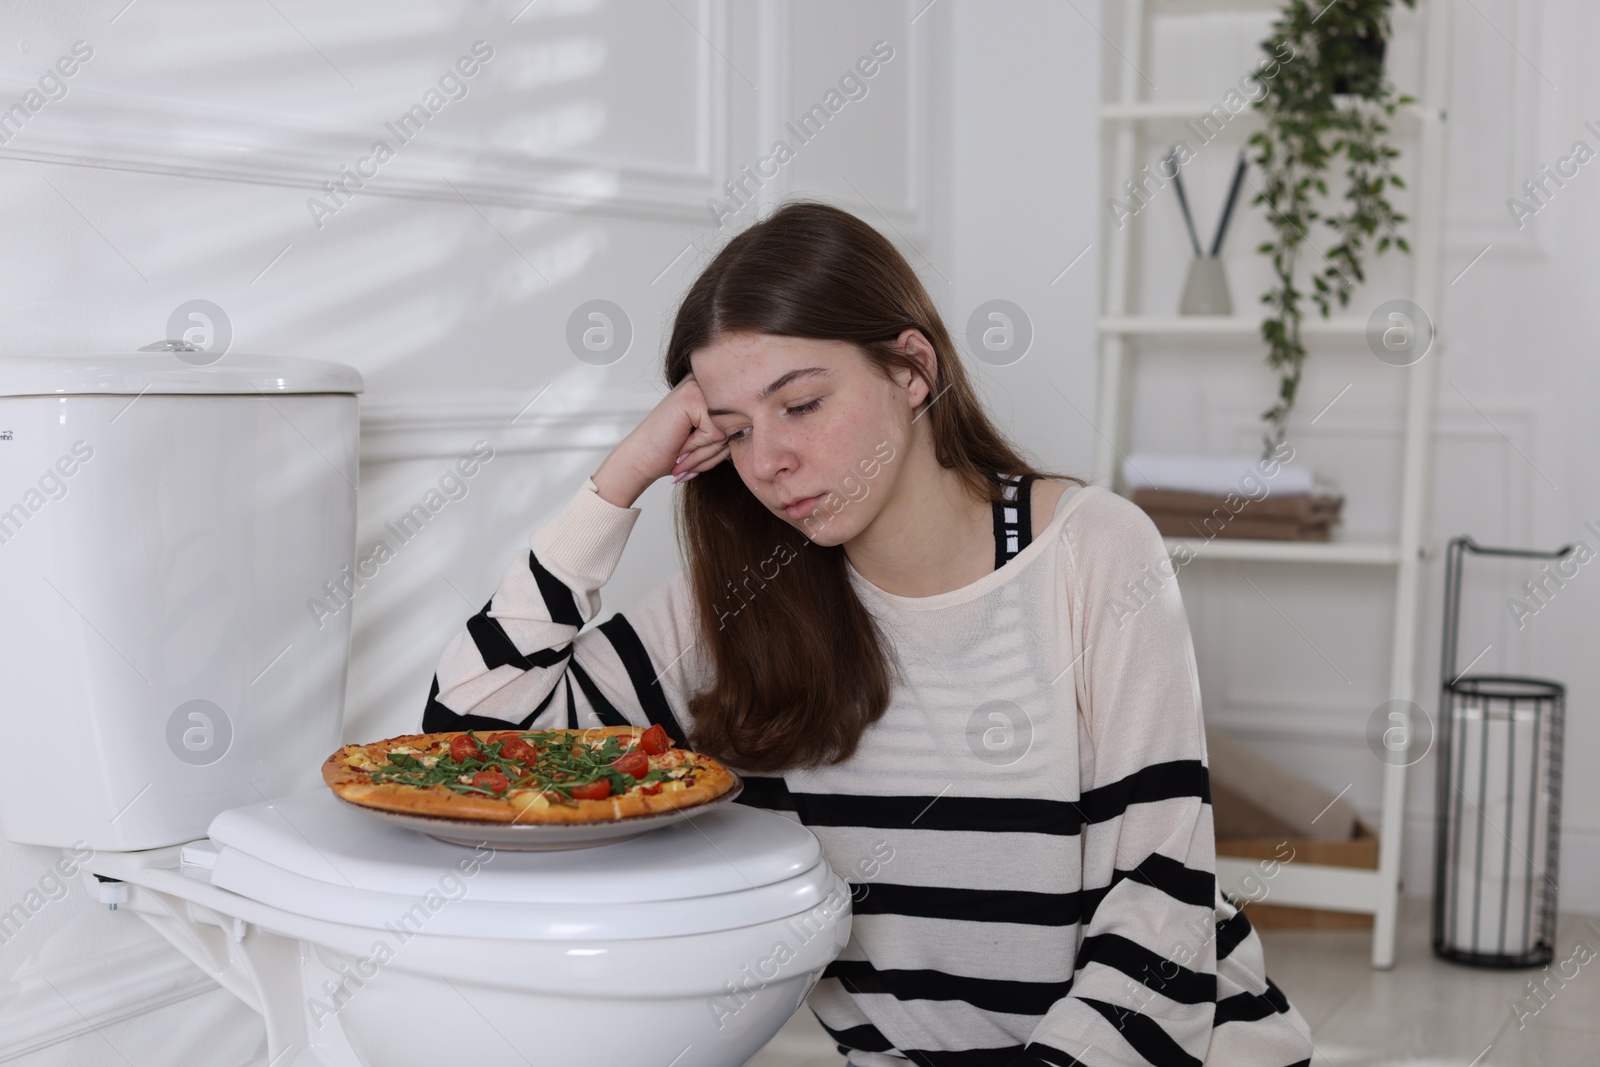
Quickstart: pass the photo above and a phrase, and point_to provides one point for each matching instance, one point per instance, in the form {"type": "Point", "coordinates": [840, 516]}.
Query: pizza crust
{"type": "Point", "coordinates": [347, 773]}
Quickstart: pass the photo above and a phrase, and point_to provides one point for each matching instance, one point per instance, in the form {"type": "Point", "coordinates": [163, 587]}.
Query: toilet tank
{"type": "Point", "coordinates": [167, 534]}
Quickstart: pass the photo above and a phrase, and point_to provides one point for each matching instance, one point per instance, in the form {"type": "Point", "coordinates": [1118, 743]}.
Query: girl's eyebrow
{"type": "Point", "coordinates": [779, 383]}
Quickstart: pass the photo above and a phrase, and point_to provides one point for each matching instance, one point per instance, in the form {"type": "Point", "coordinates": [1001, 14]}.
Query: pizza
{"type": "Point", "coordinates": [528, 776]}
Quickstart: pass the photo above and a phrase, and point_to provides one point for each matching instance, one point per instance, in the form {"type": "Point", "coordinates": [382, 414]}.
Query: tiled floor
{"type": "Point", "coordinates": [1422, 1012]}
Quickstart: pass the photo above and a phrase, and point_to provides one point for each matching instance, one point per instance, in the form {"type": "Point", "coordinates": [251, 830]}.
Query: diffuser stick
{"type": "Point", "coordinates": [1183, 202]}
{"type": "Point", "coordinates": [1227, 211]}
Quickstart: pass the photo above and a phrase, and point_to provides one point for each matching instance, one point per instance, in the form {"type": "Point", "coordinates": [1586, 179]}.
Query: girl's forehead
{"type": "Point", "coordinates": [736, 351]}
{"type": "Point", "coordinates": [752, 371]}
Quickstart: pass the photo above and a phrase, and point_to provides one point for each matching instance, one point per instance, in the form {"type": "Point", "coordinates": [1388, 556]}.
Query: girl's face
{"type": "Point", "coordinates": [809, 422]}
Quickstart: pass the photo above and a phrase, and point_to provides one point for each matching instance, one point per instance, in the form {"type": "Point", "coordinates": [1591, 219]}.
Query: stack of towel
{"type": "Point", "coordinates": [1231, 496]}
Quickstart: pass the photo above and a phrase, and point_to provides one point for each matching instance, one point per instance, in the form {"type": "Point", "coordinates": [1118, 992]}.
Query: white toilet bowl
{"type": "Point", "coordinates": [196, 507]}
{"type": "Point", "coordinates": [362, 943]}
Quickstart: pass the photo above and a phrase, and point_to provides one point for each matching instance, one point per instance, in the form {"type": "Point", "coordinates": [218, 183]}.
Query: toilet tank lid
{"type": "Point", "coordinates": [170, 372]}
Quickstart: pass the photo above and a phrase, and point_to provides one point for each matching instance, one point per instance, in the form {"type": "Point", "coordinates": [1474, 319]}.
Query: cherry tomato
{"type": "Point", "coordinates": [650, 790]}
{"type": "Point", "coordinates": [632, 762]}
{"type": "Point", "coordinates": [493, 781]}
{"type": "Point", "coordinates": [464, 748]}
{"type": "Point", "coordinates": [520, 750]}
{"type": "Point", "coordinates": [655, 740]}
{"type": "Point", "coordinates": [597, 790]}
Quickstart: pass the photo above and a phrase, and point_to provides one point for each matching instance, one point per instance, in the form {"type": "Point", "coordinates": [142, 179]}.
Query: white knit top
{"type": "Point", "coordinates": [1027, 830]}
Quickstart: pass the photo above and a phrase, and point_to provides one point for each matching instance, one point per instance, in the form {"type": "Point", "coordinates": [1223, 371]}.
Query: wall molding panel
{"type": "Point", "coordinates": [115, 131]}
{"type": "Point", "coordinates": [908, 219]}
{"type": "Point", "coordinates": [447, 426]}
{"type": "Point", "coordinates": [1514, 55]}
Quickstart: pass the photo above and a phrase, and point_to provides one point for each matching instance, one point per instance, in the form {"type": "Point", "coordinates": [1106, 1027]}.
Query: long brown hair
{"type": "Point", "coordinates": [801, 667]}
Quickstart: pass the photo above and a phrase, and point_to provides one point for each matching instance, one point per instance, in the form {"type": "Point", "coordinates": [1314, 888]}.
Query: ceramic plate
{"type": "Point", "coordinates": [543, 837]}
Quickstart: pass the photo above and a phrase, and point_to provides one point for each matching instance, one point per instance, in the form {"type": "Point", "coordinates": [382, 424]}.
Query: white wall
{"type": "Point", "coordinates": [1515, 438]}
{"type": "Point", "coordinates": [577, 167]}
{"type": "Point", "coordinates": [180, 163]}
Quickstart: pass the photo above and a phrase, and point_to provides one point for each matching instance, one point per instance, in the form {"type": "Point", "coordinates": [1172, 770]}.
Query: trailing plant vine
{"type": "Point", "coordinates": [1329, 100]}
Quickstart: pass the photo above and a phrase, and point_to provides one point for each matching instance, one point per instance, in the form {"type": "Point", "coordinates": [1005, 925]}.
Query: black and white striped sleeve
{"type": "Point", "coordinates": [1144, 980]}
{"type": "Point", "coordinates": [521, 661]}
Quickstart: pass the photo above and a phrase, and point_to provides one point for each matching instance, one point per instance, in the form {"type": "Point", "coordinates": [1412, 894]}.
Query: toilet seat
{"type": "Point", "coordinates": [339, 991]}
{"type": "Point", "coordinates": [311, 855]}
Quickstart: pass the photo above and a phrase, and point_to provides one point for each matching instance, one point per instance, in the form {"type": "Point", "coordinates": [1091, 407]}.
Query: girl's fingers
{"type": "Point", "coordinates": [697, 454]}
{"type": "Point", "coordinates": [706, 458]}
{"type": "Point", "coordinates": [700, 461]}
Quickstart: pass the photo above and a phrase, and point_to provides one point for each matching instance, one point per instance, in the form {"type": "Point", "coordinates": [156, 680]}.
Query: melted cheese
{"type": "Point", "coordinates": [524, 799]}
{"type": "Point", "coordinates": [673, 757]}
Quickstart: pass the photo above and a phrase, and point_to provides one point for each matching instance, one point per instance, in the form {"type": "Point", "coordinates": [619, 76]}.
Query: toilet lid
{"type": "Point", "coordinates": [312, 855]}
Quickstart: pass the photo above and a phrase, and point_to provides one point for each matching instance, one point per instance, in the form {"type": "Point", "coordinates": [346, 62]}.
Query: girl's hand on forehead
{"type": "Point", "coordinates": [678, 436]}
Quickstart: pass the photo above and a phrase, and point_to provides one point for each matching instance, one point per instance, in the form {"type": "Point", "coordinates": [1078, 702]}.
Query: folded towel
{"type": "Point", "coordinates": [1214, 474]}
{"type": "Point", "coordinates": [1321, 506]}
{"type": "Point", "coordinates": [1219, 524]}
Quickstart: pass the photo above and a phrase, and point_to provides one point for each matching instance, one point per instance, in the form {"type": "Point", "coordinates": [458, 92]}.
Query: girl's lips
{"type": "Point", "coordinates": [800, 508]}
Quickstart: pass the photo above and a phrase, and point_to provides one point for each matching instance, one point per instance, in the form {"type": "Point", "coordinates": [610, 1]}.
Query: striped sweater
{"type": "Point", "coordinates": [1027, 830]}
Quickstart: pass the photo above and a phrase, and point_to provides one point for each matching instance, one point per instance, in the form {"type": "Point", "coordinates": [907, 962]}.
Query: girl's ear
{"type": "Point", "coordinates": [914, 344]}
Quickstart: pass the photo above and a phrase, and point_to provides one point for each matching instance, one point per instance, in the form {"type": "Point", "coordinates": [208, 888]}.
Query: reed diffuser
{"type": "Point", "coordinates": [1205, 289]}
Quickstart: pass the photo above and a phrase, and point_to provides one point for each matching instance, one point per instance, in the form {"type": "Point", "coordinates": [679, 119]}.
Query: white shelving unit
{"type": "Point", "coordinates": [1419, 129]}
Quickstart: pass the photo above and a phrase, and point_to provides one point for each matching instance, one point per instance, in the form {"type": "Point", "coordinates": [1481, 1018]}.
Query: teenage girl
{"type": "Point", "coordinates": [973, 680]}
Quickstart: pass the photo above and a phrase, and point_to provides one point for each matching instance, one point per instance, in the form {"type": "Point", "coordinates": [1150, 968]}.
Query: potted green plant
{"type": "Point", "coordinates": [1329, 100]}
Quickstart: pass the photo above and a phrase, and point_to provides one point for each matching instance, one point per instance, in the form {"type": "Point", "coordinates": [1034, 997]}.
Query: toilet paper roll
{"type": "Point", "coordinates": [1497, 863]}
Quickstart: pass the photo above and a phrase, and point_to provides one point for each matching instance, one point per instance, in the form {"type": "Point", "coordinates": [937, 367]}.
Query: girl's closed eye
{"type": "Point", "coordinates": [802, 409]}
